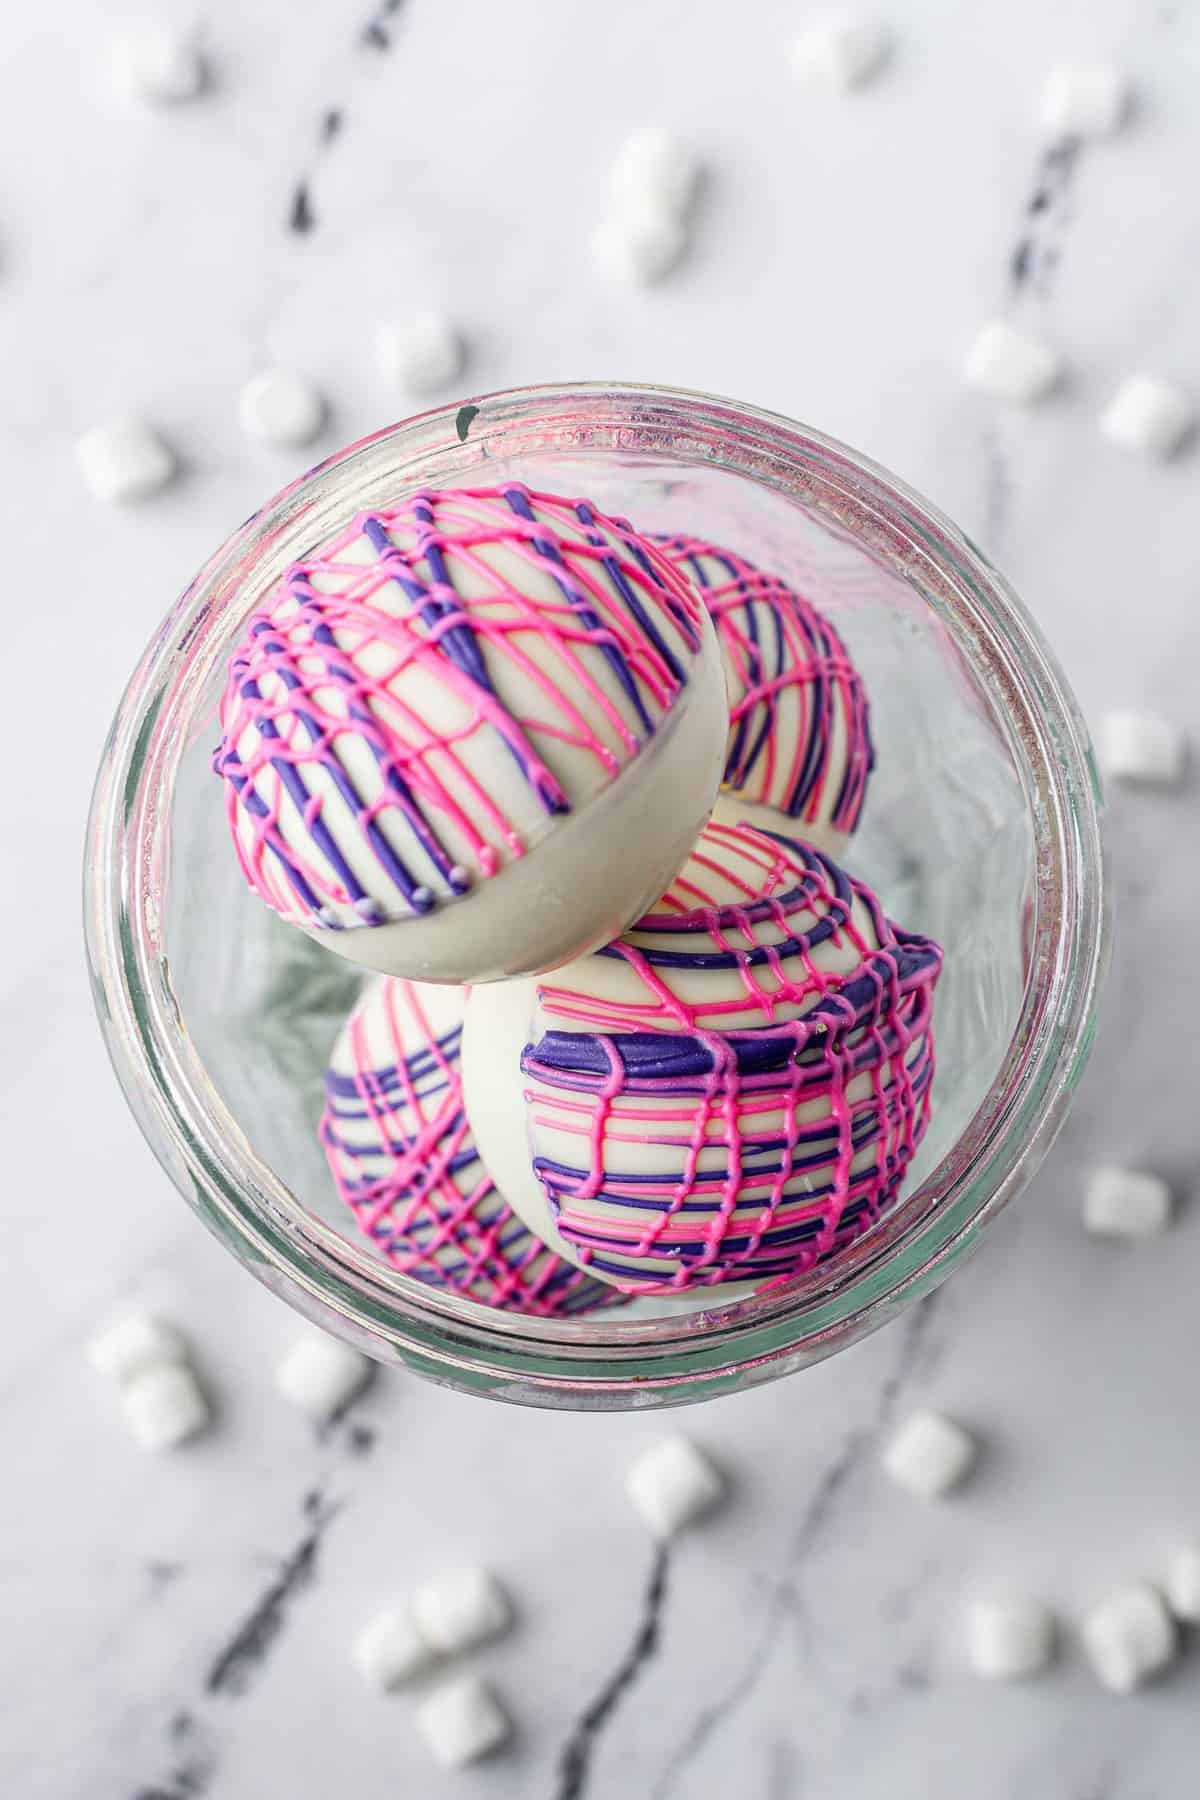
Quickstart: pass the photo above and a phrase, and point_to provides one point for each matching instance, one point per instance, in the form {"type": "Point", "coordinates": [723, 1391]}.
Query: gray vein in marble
{"type": "Point", "coordinates": [1035, 256]}
{"type": "Point", "coordinates": [194, 1766]}
{"type": "Point", "coordinates": [783, 1770]}
{"type": "Point", "coordinates": [574, 1764]}
{"type": "Point", "coordinates": [784, 1597]}
{"type": "Point", "coordinates": [161, 1574]}
{"type": "Point", "coordinates": [1033, 262]}
{"type": "Point", "coordinates": [243, 1655]}
{"type": "Point", "coordinates": [192, 1742]}
{"type": "Point", "coordinates": [374, 35]}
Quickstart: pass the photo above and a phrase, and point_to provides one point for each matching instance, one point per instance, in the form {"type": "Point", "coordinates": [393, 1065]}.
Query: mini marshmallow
{"type": "Point", "coordinates": [163, 1405]}
{"type": "Point", "coordinates": [1010, 365]}
{"type": "Point", "coordinates": [1148, 417]}
{"type": "Point", "coordinates": [1183, 1583]}
{"type": "Point", "coordinates": [842, 54]}
{"type": "Point", "coordinates": [1009, 1639]}
{"type": "Point", "coordinates": [459, 1610]}
{"type": "Point", "coordinates": [461, 1721]}
{"type": "Point", "coordinates": [673, 1485]}
{"type": "Point", "coordinates": [639, 250]}
{"type": "Point", "coordinates": [1085, 102]}
{"type": "Point", "coordinates": [134, 1342]}
{"type": "Point", "coordinates": [654, 173]}
{"type": "Point", "coordinates": [421, 354]}
{"type": "Point", "coordinates": [1126, 1203]}
{"type": "Point", "coordinates": [321, 1376]}
{"type": "Point", "coordinates": [159, 65]}
{"type": "Point", "coordinates": [1138, 747]}
{"type": "Point", "coordinates": [391, 1650]}
{"type": "Point", "coordinates": [124, 460]}
{"type": "Point", "coordinates": [929, 1455]}
{"type": "Point", "coordinates": [1129, 1637]}
{"type": "Point", "coordinates": [278, 407]}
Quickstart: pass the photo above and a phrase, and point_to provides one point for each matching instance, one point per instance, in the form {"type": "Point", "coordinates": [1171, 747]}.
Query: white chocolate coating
{"type": "Point", "coordinates": [473, 736]}
{"type": "Point", "coordinates": [730, 1092]}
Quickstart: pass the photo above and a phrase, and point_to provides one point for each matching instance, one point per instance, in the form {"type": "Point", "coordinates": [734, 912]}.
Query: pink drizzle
{"type": "Point", "coordinates": [434, 1212]}
{"type": "Point", "coordinates": [758, 1192]}
{"type": "Point", "coordinates": [614, 643]}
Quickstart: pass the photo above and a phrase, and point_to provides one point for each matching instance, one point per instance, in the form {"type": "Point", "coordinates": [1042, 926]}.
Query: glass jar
{"type": "Point", "coordinates": [981, 828]}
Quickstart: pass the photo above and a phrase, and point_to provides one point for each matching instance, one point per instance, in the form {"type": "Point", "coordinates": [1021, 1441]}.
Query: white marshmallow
{"type": "Point", "coordinates": [461, 1721]}
{"type": "Point", "coordinates": [1010, 365]}
{"type": "Point", "coordinates": [422, 353]}
{"type": "Point", "coordinates": [278, 407]}
{"type": "Point", "coordinates": [639, 249]}
{"type": "Point", "coordinates": [162, 1405]}
{"type": "Point", "coordinates": [133, 1342]}
{"type": "Point", "coordinates": [1183, 1583]}
{"type": "Point", "coordinates": [391, 1650]}
{"type": "Point", "coordinates": [1126, 1203]}
{"type": "Point", "coordinates": [654, 173]}
{"type": "Point", "coordinates": [158, 65]}
{"type": "Point", "coordinates": [1085, 102]}
{"type": "Point", "coordinates": [459, 1610]}
{"type": "Point", "coordinates": [124, 460]}
{"type": "Point", "coordinates": [929, 1455]}
{"type": "Point", "coordinates": [321, 1376]}
{"type": "Point", "coordinates": [1135, 746]}
{"type": "Point", "coordinates": [1129, 1637]}
{"type": "Point", "coordinates": [1148, 417]}
{"type": "Point", "coordinates": [842, 54]}
{"type": "Point", "coordinates": [673, 1485]}
{"type": "Point", "coordinates": [1009, 1639]}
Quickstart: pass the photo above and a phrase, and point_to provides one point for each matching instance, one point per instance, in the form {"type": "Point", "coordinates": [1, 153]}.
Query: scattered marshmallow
{"type": "Point", "coordinates": [654, 173]}
{"type": "Point", "coordinates": [164, 1404]}
{"type": "Point", "coordinates": [132, 1343]}
{"type": "Point", "coordinates": [457, 1611]}
{"type": "Point", "coordinates": [422, 353]}
{"type": "Point", "coordinates": [158, 65]}
{"type": "Point", "coordinates": [673, 1485]}
{"type": "Point", "coordinates": [391, 1650]}
{"type": "Point", "coordinates": [1009, 1639]}
{"type": "Point", "coordinates": [1126, 1203]}
{"type": "Point", "coordinates": [653, 186]}
{"type": "Point", "coordinates": [929, 1455]}
{"type": "Point", "coordinates": [640, 249]}
{"type": "Point", "coordinates": [1139, 747]}
{"type": "Point", "coordinates": [124, 460]}
{"type": "Point", "coordinates": [1129, 1637]}
{"type": "Point", "coordinates": [463, 1720]}
{"type": "Point", "coordinates": [1148, 417]}
{"type": "Point", "coordinates": [1012, 366]}
{"type": "Point", "coordinates": [1086, 102]}
{"type": "Point", "coordinates": [1183, 1583]}
{"type": "Point", "coordinates": [278, 407]}
{"type": "Point", "coordinates": [842, 54]}
{"type": "Point", "coordinates": [321, 1375]}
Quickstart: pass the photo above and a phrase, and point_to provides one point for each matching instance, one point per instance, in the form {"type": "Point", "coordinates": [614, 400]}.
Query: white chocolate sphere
{"type": "Point", "coordinates": [799, 726]}
{"type": "Point", "coordinates": [473, 735]}
{"type": "Point", "coordinates": [405, 1162]}
{"type": "Point", "coordinates": [731, 1091]}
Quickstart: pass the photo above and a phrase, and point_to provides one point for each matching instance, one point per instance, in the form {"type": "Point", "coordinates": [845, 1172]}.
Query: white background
{"type": "Point", "coordinates": [847, 249]}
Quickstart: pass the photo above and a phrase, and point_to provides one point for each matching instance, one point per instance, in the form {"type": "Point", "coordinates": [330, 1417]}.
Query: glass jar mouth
{"type": "Point", "coordinates": [615, 1361]}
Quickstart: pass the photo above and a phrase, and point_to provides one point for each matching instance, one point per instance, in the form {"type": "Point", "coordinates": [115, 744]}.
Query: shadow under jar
{"type": "Point", "coordinates": [980, 829]}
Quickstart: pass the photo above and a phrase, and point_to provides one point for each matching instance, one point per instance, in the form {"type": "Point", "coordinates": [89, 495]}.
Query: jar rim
{"type": "Point", "coordinates": [613, 1362]}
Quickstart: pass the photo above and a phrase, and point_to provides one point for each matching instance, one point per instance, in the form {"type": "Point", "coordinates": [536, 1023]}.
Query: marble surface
{"type": "Point", "coordinates": [179, 1627]}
